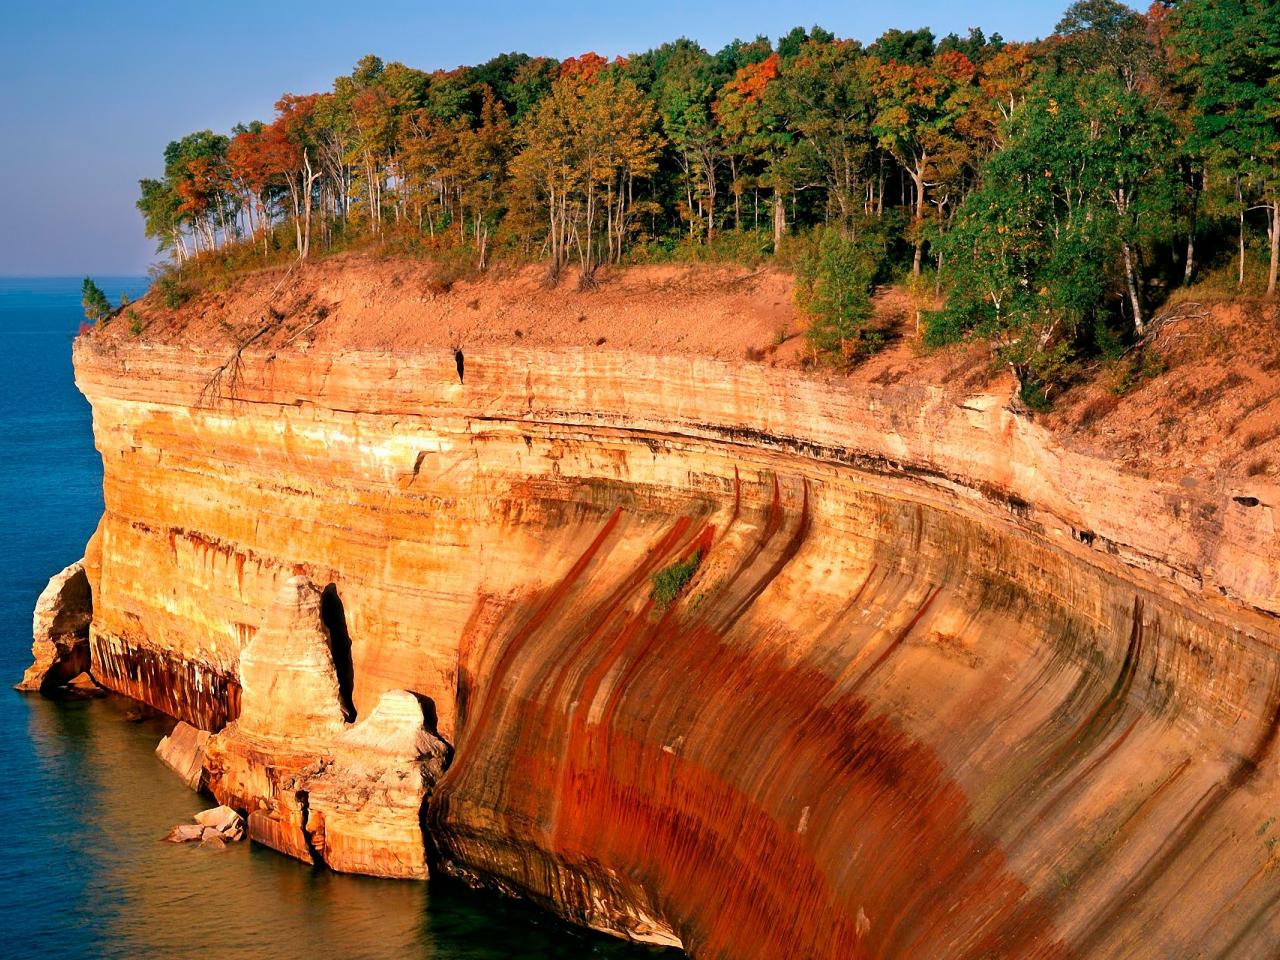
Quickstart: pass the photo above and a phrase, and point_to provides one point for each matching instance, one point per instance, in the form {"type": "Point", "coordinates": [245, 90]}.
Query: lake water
{"type": "Point", "coordinates": [83, 800]}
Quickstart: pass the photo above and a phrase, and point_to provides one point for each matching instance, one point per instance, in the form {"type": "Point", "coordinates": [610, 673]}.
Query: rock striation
{"type": "Point", "coordinates": [939, 687]}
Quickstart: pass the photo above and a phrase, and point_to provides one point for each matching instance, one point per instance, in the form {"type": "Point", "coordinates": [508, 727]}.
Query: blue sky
{"type": "Point", "coordinates": [90, 92]}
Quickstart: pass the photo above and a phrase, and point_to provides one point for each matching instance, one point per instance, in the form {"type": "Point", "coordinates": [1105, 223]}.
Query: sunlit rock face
{"type": "Point", "coordinates": [288, 682]}
{"type": "Point", "coordinates": [937, 687]}
{"type": "Point", "coordinates": [60, 633]}
{"type": "Point", "coordinates": [350, 797]}
{"type": "Point", "coordinates": [183, 752]}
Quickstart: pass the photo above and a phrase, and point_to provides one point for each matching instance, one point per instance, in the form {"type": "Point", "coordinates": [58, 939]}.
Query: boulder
{"type": "Point", "coordinates": [183, 752]}
{"type": "Point", "coordinates": [213, 827]}
{"type": "Point", "coordinates": [221, 820]}
{"type": "Point", "coordinates": [185, 833]}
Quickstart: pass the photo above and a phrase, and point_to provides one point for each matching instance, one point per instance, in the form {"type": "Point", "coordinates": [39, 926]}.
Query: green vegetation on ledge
{"type": "Point", "coordinates": [669, 582]}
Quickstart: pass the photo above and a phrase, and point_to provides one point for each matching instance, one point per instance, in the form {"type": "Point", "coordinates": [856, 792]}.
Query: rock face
{"type": "Point", "coordinates": [183, 752]}
{"type": "Point", "coordinates": [350, 797]}
{"type": "Point", "coordinates": [288, 683]}
{"type": "Point", "coordinates": [60, 632]}
{"type": "Point", "coordinates": [938, 688]}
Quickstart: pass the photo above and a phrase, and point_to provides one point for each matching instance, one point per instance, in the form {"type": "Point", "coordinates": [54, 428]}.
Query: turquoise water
{"type": "Point", "coordinates": [83, 800]}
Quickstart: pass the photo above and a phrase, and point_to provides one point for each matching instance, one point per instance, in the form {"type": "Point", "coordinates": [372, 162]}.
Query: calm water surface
{"type": "Point", "coordinates": [83, 798]}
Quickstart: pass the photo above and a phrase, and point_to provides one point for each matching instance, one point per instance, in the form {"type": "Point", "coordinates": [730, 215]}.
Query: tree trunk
{"type": "Point", "coordinates": [711, 203]}
{"type": "Point", "coordinates": [1240, 258]}
{"type": "Point", "coordinates": [737, 193]}
{"type": "Point", "coordinates": [917, 180]}
{"type": "Point", "coordinates": [294, 192]}
{"type": "Point", "coordinates": [880, 189]}
{"type": "Point", "coordinates": [1189, 268]}
{"type": "Point", "coordinates": [1275, 247]}
{"type": "Point", "coordinates": [1240, 203]}
{"type": "Point", "coordinates": [1139, 324]}
{"type": "Point", "coordinates": [779, 219]}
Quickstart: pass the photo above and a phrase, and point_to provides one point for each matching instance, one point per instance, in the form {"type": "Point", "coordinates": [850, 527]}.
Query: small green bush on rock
{"type": "Point", "coordinates": [667, 583]}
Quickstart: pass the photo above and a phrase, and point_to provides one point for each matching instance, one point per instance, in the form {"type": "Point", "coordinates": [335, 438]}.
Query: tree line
{"type": "Point", "coordinates": [1053, 190]}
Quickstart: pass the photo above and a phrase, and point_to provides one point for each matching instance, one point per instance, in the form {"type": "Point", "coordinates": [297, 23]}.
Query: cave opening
{"type": "Point", "coordinates": [459, 362]}
{"type": "Point", "coordinates": [334, 616]}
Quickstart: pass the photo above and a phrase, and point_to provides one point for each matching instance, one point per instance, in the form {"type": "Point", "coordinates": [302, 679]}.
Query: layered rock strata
{"type": "Point", "coordinates": [938, 687]}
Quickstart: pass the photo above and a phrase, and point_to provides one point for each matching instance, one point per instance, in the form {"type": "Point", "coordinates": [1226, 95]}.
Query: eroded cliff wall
{"type": "Point", "coordinates": [938, 687]}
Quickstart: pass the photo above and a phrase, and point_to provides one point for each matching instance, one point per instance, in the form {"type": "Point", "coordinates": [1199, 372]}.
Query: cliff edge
{"type": "Point", "coordinates": [935, 678]}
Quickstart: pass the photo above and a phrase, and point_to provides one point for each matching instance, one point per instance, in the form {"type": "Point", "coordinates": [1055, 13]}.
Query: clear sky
{"type": "Point", "coordinates": [92, 90]}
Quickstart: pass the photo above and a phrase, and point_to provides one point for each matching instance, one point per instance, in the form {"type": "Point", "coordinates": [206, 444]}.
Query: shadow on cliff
{"type": "Point", "coordinates": [334, 615]}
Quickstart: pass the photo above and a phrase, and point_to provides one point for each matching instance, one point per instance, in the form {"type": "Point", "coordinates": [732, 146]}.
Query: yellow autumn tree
{"type": "Point", "coordinates": [582, 150]}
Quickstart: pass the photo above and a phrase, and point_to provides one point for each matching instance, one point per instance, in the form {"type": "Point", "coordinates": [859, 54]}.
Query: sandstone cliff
{"type": "Point", "coordinates": [940, 685]}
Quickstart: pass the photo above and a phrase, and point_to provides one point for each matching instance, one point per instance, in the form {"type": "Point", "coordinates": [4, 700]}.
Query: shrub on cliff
{"type": "Point", "coordinates": [835, 276]}
{"type": "Point", "coordinates": [168, 285]}
{"type": "Point", "coordinates": [668, 582]}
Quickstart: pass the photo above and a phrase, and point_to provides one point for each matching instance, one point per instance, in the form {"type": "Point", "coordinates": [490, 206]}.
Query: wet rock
{"type": "Point", "coordinates": [214, 842]}
{"type": "Point", "coordinates": [222, 820]}
{"type": "Point", "coordinates": [140, 712]}
{"type": "Point", "coordinates": [60, 634]}
{"type": "Point", "coordinates": [215, 827]}
{"type": "Point", "coordinates": [185, 833]}
{"type": "Point", "coordinates": [83, 687]}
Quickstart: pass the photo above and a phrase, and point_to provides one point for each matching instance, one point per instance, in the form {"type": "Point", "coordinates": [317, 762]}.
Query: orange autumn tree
{"type": "Point", "coordinates": [253, 173]}
{"type": "Point", "coordinates": [919, 105]}
{"type": "Point", "coordinates": [756, 136]}
{"type": "Point", "coordinates": [291, 142]}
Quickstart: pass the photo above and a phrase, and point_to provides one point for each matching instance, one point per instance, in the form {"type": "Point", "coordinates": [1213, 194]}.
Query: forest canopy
{"type": "Point", "coordinates": [1050, 193]}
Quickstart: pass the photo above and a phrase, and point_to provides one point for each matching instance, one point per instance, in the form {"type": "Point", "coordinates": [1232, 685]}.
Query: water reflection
{"type": "Point", "coordinates": [122, 894]}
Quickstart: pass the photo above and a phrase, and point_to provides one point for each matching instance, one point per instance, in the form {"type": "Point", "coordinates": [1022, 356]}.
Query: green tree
{"type": "Point", "coordinates": [161, 218]}
{"type": "Point", "coordinates": [834, 282]}
{"type": "Point", "coordinates": [484, 154]}
{"type": "Point", "coordinates": [686, 80]}
{"type": "Point", "coordinates": [908, 47]}
{"type": "Point", "coordinates": [826, 92]}
{"type": "Point", "coordinates": [96, 305]}
{"type": "Point", "coordinates": [583, 148]}
{"type": "Point", "coordinates": [1060, 213]}
{"type": "Point", "coordinates": [1232, 50]}
{"type": "Point", "coordinates": [918, 108]}
{"type": "Point", "coordinates": [757, 138]}
{"type": "Point", "coordinates": [1104, 35]}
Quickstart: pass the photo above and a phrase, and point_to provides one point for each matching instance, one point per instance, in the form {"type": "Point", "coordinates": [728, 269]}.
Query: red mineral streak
{"type": "Point", "coordinates": [712, 831]}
